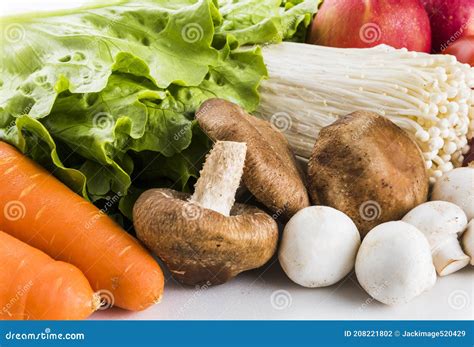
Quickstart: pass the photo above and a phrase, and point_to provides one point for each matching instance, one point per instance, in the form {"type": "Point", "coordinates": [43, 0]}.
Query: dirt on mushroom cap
{"type": "Point", "coordinates": [367, 167]}
{"type": "Point", "coordinates": [271, 173]}
{"type": "Point", "coordinates": [200, 245]}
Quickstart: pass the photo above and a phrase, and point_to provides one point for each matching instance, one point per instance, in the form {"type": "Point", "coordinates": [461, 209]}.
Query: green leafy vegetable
{"type": "Point", "coordinates": [104, 96]}
{"type": "Point", "coordinates": [265, 21]}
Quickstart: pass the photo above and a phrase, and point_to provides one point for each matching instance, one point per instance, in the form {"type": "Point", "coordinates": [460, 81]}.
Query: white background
{"type": "Point", "coordinates": [268, 294]}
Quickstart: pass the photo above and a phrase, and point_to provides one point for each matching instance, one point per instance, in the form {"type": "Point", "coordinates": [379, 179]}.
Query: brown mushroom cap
{"type": "Point", "coordinates": [271, 173]}
{"type": "Point", "coordinates": [367, 167]}
{"type": "Point", "coordinates": [200, 245]}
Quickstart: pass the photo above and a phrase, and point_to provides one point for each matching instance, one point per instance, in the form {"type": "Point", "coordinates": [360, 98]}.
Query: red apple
{"type": "Point", "coordinates": [367, 23]}
{"type": "Point", "coordinates": [463, 49]}
{"type": "Point", "coordinates": [450, 20]}
{"type": "Point", "coordinates": [469, 156]}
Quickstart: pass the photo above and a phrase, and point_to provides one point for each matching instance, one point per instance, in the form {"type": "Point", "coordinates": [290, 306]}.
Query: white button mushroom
{"type": "Point", "coordinates": [394, 263]}
{"type": "Point", "coordinates": [319, 246]}
{"type": "Point", "coordinates": [457, 186]}
{"type": "Point", "coordinates": [468, 240]}
{"type": "Point", "coordinates": [441, 222]}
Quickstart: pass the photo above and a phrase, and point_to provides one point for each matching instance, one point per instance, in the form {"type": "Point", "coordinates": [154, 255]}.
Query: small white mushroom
{"type": "Point", "coordinates": [319, 246]}
{"type": "Point", "coordinates": [394, 263]}
{"type": "Point", "coordinates": [468, 240]}
{"type": "Point", "coordinates": [441, 222]}
{"type": "Point", "coordinates": [457, 186]}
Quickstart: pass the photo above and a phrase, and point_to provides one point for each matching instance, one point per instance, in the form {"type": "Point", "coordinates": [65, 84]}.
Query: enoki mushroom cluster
{"type": "Point", "coordinates": [429, 96]}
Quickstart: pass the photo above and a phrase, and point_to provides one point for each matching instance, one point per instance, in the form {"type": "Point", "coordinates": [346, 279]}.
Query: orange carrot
{"type": "Point", "coordinates": [43, 212]}
{"type": "Point", "coordinates": [34, 286]}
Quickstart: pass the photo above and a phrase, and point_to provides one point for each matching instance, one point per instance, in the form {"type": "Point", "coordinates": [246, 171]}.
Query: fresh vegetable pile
{"type": "Point", "coordinates": [105, 96]}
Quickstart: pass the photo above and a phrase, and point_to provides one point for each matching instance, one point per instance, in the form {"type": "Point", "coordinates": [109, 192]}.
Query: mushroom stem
{"type": "Point", "coordinates": [448, 257]}
{"type": "Point", "coordinates": [220, 176]}
{"type": "Point", "coordinates": [468, 240]}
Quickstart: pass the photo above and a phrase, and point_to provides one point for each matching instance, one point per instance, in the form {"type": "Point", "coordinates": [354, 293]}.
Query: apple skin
{"type": "Point", "coordinates": [469, 156]}
{"type": "Point", "coordinates": [450, 20]}
{"type": "Point", "coordinates": [368, 23]}
{"type": "Point", "coordinates": [462, 49]}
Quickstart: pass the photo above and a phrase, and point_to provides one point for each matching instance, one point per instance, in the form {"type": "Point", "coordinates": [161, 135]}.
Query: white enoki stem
{"type": "Point", "coordinates": [429, 96]}
{"type": "Point", "coordinates": [220, 177]}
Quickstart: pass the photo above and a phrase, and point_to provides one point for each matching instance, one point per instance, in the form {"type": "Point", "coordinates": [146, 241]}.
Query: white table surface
{"type": "Point", "coordinates": [268, 294]}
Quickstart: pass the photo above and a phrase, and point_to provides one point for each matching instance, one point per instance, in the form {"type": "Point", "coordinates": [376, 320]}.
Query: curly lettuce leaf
{"type": "Point", "coordinates": [77, 51]}
{"type": "Point", "coordinates": [265, 21]}
{"type": "Point", "coordinates": [41, 147]}
{"type": "Point", "coordinates": [104, 97]}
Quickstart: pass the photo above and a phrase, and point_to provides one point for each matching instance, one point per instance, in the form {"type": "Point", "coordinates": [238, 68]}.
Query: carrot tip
{"type": "Point", "coordinates": [158, 299]}
{"type": "Point", "coordinates": [96, 301]}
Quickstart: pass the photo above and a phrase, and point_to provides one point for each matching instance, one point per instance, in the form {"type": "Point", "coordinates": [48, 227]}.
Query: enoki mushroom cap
{"type": "Point", "coordinates": [271, 173]}
{"type": "Point", "coordinates": [200, 245]}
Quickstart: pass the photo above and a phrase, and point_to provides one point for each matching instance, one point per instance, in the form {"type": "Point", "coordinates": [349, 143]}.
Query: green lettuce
{"type": "Point", "coordinates": [265, 21]}
{"type": "Point", "coordinates": [104, 96]}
